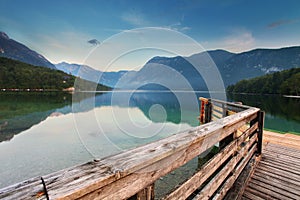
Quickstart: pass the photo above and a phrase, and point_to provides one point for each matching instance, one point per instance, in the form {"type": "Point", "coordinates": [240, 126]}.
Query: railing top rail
{"type": "Point", "coordinates": [231, 104]}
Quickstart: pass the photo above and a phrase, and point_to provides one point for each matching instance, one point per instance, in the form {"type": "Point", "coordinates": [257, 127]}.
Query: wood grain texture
{"type": "Point", "coordinates": [277, 175]}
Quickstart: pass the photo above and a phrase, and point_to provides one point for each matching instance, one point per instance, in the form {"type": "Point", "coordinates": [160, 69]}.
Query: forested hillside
{"type": "Point", "coordinates": [284, 82]}
{"type": "Point", "coordinates": [18, 75]}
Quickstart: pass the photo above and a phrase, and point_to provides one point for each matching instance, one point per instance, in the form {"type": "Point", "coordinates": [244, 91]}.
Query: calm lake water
{"type": "Point", "coordinates": [44, 132]}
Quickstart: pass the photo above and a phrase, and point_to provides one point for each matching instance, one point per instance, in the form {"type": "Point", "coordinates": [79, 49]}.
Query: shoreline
{"type": "Point", "coordinates": [292, 96]}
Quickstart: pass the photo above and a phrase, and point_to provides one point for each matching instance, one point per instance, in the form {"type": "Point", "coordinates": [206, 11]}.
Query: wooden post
{"type": "Point", "coordinates": [208, 109]}
{"type": "Point", "coordinates": [146, 194]}
{"type": "Point", "coordinates": [202, 112]}
{"type": "Point", "coordinates": [261, 118]}
{"type": "Point", "coordinates": [224, 114]}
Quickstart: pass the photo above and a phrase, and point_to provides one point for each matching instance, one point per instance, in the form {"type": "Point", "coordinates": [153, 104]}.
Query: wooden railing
{"type": "Point", "coordinates": [132, 174]}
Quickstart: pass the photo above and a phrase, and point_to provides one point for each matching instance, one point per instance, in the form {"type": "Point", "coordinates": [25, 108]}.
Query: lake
{"type": "Point", "coordinates": [44, 132]}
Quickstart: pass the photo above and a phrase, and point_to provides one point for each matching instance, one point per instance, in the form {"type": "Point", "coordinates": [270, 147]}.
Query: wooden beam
{"type": "Point", "coordinates": [261, 119]}
{"type": "Point", "coordinates": [217, 114]}
{"type": "Point", "coordinates": [217, 108]}
{"type": "Point", "coordinates": [188, 187]}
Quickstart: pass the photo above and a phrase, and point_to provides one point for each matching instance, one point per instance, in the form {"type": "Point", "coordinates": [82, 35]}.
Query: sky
{"type": "Point", "coordinates": [70, 30]}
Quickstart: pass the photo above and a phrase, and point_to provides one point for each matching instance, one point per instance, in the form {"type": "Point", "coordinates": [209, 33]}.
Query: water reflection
{"type": "Point", "coordinates": [20, 111]}
{"type": "Point", "coordinates": [57, 138]}
{"type": "Point", "coordinates": [282, 113]}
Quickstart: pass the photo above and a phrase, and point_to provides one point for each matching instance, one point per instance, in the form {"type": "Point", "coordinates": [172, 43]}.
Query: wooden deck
{"type": "Point", "coordinates": [277, 175]}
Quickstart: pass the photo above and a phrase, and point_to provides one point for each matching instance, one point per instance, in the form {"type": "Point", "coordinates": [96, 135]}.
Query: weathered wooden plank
{"type": "Point", "coordinates": [282, 157]}
{"type": "Point", "coordinates": [248, 194]}
{"type": "Point", "coordinates": [273, 169]}
{"type": "Point", "coordinates": [278, 155]}
{"type": "Point", "coordinates": [34, 189]}
{"type": "Point", "coordinates": [276, 176]}
{"type": "Point", "coordinates": [215, 101]}
{"type": "Point", "coordinates": [187, 188]}
{"type": "Point", "coordinates": [265, 192]}
{"type": "Point", "coordinates": [282, 140]}
{"type": "Point", "coordinates": [247, 133]}
{"type": "Point", "coordinates": [255, 195]}
{"type": "Point", "coordinates": [282, 167]}
{"type": "Point", "coordinates": [283, 152]}
{"type": "Point", "coordinates": [245, 198]}
{"type": "Point", "coordinates": [278, 183]}
{"type": "Point", "coordinates": [230, 112]}
{"type": "Point", "coordinates": [288, 166]}
{"type": "Point", "coordinates": [217, 114]}
{"type": "Point", "coordinates": [284, 148]}
{"type": "Point", "coordinates": [238, 188]}
{"type": "Point", "coordinates": [275, 190]}
{"type": "Point", "coordinates": [214, 184]}
{"type": "Point", "coordinates": [217, 108]}
{"type": "Point", "coordinates": [228, 184]}
{"type": "Point", "coordinates": [281, 161]}
{"type": "Point", "coordinates": [213, 118]}
{"type": "Point", "coordinates": [284, 136]}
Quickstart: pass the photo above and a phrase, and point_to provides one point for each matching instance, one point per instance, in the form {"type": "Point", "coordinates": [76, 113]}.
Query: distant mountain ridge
{"type": "Point", "coordinates": [12, 49]}
{"type": "Point", "coordinates": [106, 78]}
{"type": "Point", "coordinates": [233, 67]}
{"type": "Point", "coordinates": [160, 73]}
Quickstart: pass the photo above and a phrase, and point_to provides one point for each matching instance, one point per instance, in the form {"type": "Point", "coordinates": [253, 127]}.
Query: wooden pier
{"type": "Point", "coordinates": [277, 175]}
{"type": "Point", "coordinates": [236, 129]}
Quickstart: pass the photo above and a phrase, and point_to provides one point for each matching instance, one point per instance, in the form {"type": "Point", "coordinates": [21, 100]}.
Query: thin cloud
{"type": "Point", "coordinates": [93, 42]}
{"type": "Point", "coordinates": [134, 18]}
{"type": "Point", "coordinates": [281, 22]}
{"type": "Point", "coordinates": [178, 27]}
{"type": "Point", "coordinates": [239, 40]}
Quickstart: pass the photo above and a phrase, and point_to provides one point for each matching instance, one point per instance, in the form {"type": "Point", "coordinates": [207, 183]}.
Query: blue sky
{"type": "Point", "coordinates": [60, 29]}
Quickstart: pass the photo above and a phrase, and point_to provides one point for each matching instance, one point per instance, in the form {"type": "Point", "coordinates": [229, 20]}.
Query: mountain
{"type": "Point", "coordinates": [74, 69]}
{"type": "Point", "coordinates": [178, 72]}
{"type": "Point", "coordinates": [160, 73]}
{"type": "Point", "coordinates": [10, 48]}
{"type": "Point", "coordinates": [106, 78]}
{"type": "Point", "coordinates": [259, 62]}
